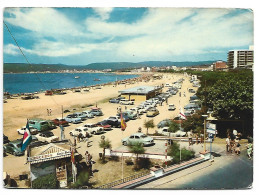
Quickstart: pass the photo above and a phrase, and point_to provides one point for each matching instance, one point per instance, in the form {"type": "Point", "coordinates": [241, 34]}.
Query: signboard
{"type": "Point", "coordinates": [49, 156]}
{"type": "Point", "coordinates": [211, 126]}
{"type": "Point", "coordinates": [212, 131]}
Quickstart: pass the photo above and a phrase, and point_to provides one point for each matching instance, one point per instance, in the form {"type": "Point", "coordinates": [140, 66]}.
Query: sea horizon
{"type": "Point", "coordinates": [15, 83]}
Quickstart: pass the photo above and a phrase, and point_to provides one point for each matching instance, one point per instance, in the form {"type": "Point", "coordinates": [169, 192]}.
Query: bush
{"type": "Point", "coordinates": [46, 182]}
{"type": "Point", "coordinates": [82, 180]}
{"type": "Point", "coordinates": [174, 152]}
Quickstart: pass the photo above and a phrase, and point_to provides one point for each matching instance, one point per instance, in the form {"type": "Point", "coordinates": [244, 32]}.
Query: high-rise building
{"type": "Point", "coordinates": [241, 58]}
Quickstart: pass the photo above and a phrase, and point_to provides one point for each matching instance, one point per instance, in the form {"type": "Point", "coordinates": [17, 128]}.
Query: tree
{"type": "Point", "coordinates": [137, 148]}
{"type": "Point", "coordinates": [149, 124]}
{"type": "Point", "coordinates": [174, 152]}
{"type": "Point", "coordinates": [173, 127]}
{"type": "Point", "coordinates": [105, 144]}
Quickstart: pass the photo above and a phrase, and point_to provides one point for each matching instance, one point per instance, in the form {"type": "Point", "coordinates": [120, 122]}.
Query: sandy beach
{"type": "Point", "coordinates": [16, 111]}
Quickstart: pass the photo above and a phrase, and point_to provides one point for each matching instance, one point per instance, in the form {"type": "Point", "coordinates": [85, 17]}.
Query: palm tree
{"type": "Point", "coordinates": [149, 124]}
{"type": "Point", "coordinates": [105, 144]}
{"type": "Point", "coordinates": [137, 149]}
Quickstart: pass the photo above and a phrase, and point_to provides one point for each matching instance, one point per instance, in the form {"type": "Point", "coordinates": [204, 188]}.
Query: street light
{"type": "Point", "coordinates": [204, 136]}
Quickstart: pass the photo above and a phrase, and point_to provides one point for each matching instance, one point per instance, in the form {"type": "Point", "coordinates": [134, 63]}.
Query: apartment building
{"type": "Point", "coordinates": [241, 58]}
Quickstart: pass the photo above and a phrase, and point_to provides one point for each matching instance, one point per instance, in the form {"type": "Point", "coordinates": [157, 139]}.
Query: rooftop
{"type": "Point", "coordinates": [140, 90]}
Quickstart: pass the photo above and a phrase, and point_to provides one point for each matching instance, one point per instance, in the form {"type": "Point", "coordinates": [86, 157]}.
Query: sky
{"type": "Point", "coordinates": [79, 36]}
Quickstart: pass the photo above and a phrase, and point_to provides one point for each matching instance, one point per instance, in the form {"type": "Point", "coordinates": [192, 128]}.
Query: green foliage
{"type": "Point", "coordinates": [174, 152]}
{"type": "Point", "coordinates": [105, 144]}
{"type": "Point", "coordinates": [82, 180]}
{"type": "Point", "coordinates": [46, 182]}
{"type": "Point", "coordinates": [149, 124]}
{"type": "Point", "coordinates": [173, 127]}
{"type": "Point", "coordinates": [137, 149]}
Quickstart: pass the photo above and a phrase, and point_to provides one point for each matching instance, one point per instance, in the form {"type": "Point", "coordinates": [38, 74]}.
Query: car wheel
{"type": "Point", "coordinates": [94, 133]}
{"type": "Point", "coordinates": [71, 134]}
{"type": "Point", "coordinates": [13, 153]}
{"type": "Point", "coordinates": [125, 143]}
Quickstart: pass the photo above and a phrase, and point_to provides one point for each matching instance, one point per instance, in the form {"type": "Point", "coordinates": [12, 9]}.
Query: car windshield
{"type": "Point", "coordinates": [19, 145]}
{"type": "Point", "coordinates": [143, 136]}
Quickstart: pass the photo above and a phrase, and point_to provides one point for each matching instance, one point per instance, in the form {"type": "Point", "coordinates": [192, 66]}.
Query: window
{"type": "Point", "coordinates": [131, 137]}
{"type": "Point", "coordinates": [137, 137]}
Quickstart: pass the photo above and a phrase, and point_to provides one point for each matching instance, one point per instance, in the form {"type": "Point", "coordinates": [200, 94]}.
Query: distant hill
{"type": "Point", "coordinates": [21, 67]}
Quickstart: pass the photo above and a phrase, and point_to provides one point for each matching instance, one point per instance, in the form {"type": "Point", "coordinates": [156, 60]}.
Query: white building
{"type": "Point", "coordinates": [241, 58]}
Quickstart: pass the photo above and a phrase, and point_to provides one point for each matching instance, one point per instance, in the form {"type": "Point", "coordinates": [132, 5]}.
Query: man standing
{"type": "Point", "coordinates": [228, 144]}
{"type": "Point", "coordinates": [189, 133]}
{"type": "Point", "coordinates": [235, 133]}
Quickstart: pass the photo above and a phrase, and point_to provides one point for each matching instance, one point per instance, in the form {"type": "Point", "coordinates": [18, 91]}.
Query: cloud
{"type": "Point", "coordinates": [104, 13]}
{"type": "Point", "coordinates": [11, 49]}
{"type": "Point", "coordinates": [160, 33]}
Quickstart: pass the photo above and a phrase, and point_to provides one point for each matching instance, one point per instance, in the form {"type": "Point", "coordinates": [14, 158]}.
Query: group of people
{"type": "Point", "coordinates": [233, 145]}
{"type": "Point", "coordinates": [49, 111]}
{"type": "Point", "coordinates": [198, 138]}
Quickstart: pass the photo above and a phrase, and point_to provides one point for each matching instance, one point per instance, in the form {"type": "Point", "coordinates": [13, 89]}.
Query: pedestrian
{"type": "Point", "coordinates": [88, 160]}
{"type": "Point", "coordinates": [235, 133]}
{"type": "Point", "coordinates": [237, 147]}
{"type": "Point", "coordinates": [197, 139]}
{"type": "Point", "coordinates": [125, 107]}
{"type": "Point", "coordinates": [138, 114]}
{"type": "Point", "coordinates": [228, 144]}
{"type": "Point", "coordinates": [47, 111]}
{"type": "Point", "coordinates": [179, 94]}
{"type": "Point", "coordinates": [189, 133]}
{"type": "Point", "coordinates": [184, 94]}
{"type": "Point", "coordinates": [50, 111]}
{"type": "Point", "coordinates": [139, 130]}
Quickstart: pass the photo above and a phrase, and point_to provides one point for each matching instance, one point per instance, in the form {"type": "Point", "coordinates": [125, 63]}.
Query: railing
{"type": "Point", "coordinates": [124, 180]}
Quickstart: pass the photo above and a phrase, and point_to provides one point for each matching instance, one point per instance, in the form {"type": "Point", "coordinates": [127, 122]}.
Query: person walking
{"type": "Point", "coordinates": [249, 147]}
{"type": "Point", "coordinates": [189, 133]}
{"type": "Point", "coordinates": [235, 133]}
{"type": "Point", "coordinates": [47, 111]}
{"type": "Point", "coordinates": [228, 144]}
{"type": "Point", "coordinates": [184, 94]}
{"type": "Point", "coordinates": [50, 111]}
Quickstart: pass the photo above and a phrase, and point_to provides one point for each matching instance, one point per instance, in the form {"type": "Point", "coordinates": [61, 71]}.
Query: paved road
{"type": "Point", "coordinates": [227, 172]}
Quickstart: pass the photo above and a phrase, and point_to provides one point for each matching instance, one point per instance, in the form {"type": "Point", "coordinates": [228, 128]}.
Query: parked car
{"type": "Point", "coordinates": [104, 125]}
{"type": "Point", "coordinates": [194, 97]}
{"type": "Point", "coordinates": [131, 114]}
{"type": "Point", "coordinates": [94, 129]}
{"type": "Point", "coordinates": [46, 137]}
{"type": "Point", "coordinates": [152, 112]}
{"type": "Point", "coordinates": [171, 107]}
{"type": "Point", "coordinates": [6, 140]}
{"type": "Point", "coordinates": [60, 121]}
{"type": "Point", "coordinates": [41, 125]}
{"type": "Point", "coordinates": [96, 112]}
{"type": "Point", "coordinates": [138, 138]}
{"type": "Point", "coordinates": [80, 115]}
{"type": "Point", "coordinates": [72, 119]}
{"type": "Point", "coordinates": [191, 90]}
{"type": "Point", "coordinates": [125, 116]}
{"type": "Point", "coordinates": [14, 148]}
{"type": "Point", "coordinates": [164, 123]}
{"type": "Point", "coordinates": [114, 123]}
{"type": "Point", "coordinates": [126, 102]}
{"type": "Point", "coordinates": [88, 114]}
{"type": "Point", "coordinates": [165, 131]}
{"type": "Point", "coordinates": [83, 130]}
{"type": "Point", "coordinates": [32, 130]}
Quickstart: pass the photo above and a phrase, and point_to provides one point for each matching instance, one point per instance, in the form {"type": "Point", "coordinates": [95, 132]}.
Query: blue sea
{"type": "Point", "coordinates": [35, 82]}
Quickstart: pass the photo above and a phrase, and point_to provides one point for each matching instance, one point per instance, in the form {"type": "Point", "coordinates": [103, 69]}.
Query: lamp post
{"type": "Point", "coordinates": [204, 136]}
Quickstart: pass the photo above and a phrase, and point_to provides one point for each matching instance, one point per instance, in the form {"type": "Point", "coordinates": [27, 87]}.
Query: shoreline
{"type": "Point", "coordinates": [78, 87]}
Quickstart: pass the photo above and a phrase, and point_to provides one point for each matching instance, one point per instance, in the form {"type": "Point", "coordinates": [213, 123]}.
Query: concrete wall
{"type": "Point", "coordinates": [136, 97]}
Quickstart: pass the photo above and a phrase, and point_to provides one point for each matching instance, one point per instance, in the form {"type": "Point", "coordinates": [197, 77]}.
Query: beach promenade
{"type": "Point", "coordinates": [16, 111]}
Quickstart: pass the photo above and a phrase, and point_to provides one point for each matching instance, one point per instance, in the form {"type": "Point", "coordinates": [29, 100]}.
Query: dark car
{"type": "Point", "coordinates": [114, 123]}
{"type": "Point", "coordinates": [164, 123]}
{"type": "Point", "coordinates": [106, 126]}
{"type": "Point", "coordinates": [14, 148]}
{"type": "Point", "coordinates": [6, 140]}
{"type": "Point", "coordinates": [114, 101]}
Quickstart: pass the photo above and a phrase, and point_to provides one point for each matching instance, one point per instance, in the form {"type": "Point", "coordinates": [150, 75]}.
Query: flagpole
{"type": "Point", "coordinates": [122, 159]}
{"type": "Point", "coordinates": [180, 129]}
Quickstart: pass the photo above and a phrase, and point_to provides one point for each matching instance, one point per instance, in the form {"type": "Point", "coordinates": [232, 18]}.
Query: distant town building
{"type": "Point", "coordinates": [241, 58]}
{"type": "Point", "coordinates": [220, 65]}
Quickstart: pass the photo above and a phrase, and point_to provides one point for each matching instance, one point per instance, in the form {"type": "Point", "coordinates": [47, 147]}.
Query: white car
{"type": "Point", "coordinates": [94, 129]}
{"type": "Point", "coordinates": [171, 107]}
{"type": "Point", "coordinates": [139, 110]}
{"type": "Point", "coordinates": [83, 130]}
{"type": "Point", "coordinates": [164, 131]}
{"type": "Point", "coordinates": [32, 130]}
{"type": "Point", "coordinates": [88, 114]}
{"type": "Point", "coordinates": [126, 102]}
{"type": "Point", "coordinates": [46, 136]}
